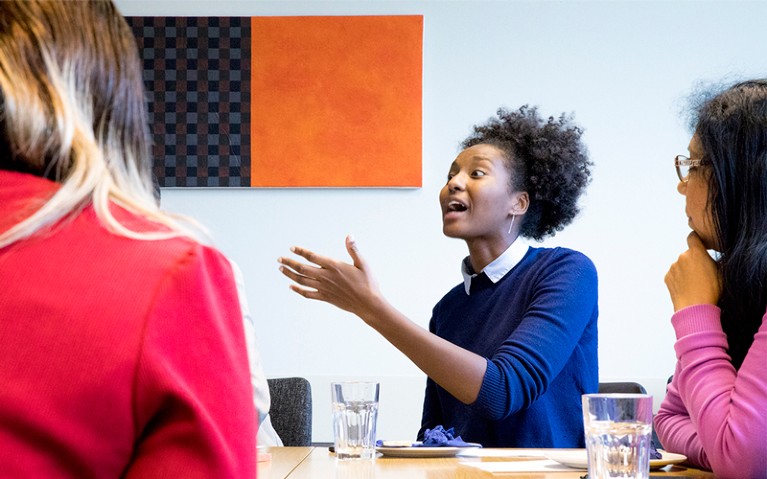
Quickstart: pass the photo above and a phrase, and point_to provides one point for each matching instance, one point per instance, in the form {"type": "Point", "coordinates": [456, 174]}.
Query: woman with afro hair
{"type": "Point", "coordinates": [511, 349]}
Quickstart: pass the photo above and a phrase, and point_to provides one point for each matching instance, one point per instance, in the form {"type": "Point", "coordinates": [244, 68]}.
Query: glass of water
{"type": "Point", "coordinates": [618, 435]}
{"type": "Point", "coordinates": [355, 412]}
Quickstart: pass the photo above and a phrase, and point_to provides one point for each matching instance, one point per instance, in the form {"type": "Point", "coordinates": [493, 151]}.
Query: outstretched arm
{"type": "Point", "coordinates": [352, 288]}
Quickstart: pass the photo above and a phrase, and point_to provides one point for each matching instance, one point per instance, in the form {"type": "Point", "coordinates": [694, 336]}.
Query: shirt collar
{"type": "Point", "coordinates": [497, 268]}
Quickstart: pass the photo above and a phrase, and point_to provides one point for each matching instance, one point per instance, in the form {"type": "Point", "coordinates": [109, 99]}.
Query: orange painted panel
{"type": "Point", "coordinates": [336, 101]}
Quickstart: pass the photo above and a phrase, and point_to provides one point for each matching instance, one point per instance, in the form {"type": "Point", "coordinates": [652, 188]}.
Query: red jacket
{"type": "Point", "coordinates": [119, 357]}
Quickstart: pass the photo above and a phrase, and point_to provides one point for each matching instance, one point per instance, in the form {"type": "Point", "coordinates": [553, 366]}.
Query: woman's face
{"type": "Point", "coordinates": [476, 201]}
{"type": "Point", "coordinates": [695, 191]}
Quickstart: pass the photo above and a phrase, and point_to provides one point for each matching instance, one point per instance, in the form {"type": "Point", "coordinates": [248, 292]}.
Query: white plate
{"type": "Point", "coordinates": [578, 459]}
{"type": "Point", "coordinates": [399, 451]}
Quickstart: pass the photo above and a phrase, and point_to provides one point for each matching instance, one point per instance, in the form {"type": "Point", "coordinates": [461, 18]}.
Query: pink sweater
{"type": "Point", "coordinates": [713, 414]}
{"type": "Point", "coordinates": [120, 358]}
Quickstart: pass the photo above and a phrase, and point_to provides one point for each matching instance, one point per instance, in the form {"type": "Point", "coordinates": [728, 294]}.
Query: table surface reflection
{"type": "Point", "coordinates": [319, 463]}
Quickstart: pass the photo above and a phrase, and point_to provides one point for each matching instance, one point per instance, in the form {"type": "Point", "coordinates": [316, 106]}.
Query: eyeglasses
{"type": "Point", "coordinates": [683, 165]}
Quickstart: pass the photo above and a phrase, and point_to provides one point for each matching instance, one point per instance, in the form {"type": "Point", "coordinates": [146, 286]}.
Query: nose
{"type": "Point", "coordinates": [681, 187]}
{"type": "Point", "coordinates": [456, 183]}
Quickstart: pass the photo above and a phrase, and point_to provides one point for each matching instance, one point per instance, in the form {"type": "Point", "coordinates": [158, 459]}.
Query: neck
{"type": "Point", "coordinates": [482, 252]}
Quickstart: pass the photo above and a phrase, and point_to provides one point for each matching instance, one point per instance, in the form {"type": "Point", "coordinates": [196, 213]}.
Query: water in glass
{"type": "Point", "coordinates": [619, 449]}
{"type": "Point", "coordinates": [355, 429]}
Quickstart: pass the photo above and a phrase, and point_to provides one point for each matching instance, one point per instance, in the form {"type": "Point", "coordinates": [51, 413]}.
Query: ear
{"type": "Point", "coordinates": [520, 200]}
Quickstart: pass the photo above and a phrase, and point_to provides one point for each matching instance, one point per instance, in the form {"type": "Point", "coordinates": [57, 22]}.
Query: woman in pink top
{"type": "Point", "coordinates": [122, 344]}
{"type": "Point", "coordinates": [715, 411]}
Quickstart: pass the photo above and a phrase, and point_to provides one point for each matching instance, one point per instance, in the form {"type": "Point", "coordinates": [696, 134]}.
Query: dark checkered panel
{"type": "Point", "coordinates": [197, 73]}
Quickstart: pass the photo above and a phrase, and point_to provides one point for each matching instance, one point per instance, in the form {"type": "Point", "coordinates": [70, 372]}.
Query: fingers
{"type": "Point", "coordinates": [301, 279]}
{"type": "Point", "coordinates": [308, 278]}
{"type": "Point", "coordinates": [297, 276]}
{"type": "Point", "coordinates": [311, 257]}
{"type": "Point", "coordinates": [351, 247]}
{"type": "Point", "coordinates": [693, 278]}
{"type": "Point", "coordinates": [306, 270]}
{"type": "Point", "coordinates": [306, 293]}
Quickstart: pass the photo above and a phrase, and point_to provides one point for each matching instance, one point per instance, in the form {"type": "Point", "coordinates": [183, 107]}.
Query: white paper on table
{"type": "Point", "coordinates": [545, 465]}
{"type": "Point", "coordinates": [480, 452]}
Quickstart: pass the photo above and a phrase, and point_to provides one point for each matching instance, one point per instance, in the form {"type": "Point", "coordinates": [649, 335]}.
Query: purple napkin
{"type": "Point", "coordinates": [439, 436]}
{"type": "Point", "coordinates": [654, 452]}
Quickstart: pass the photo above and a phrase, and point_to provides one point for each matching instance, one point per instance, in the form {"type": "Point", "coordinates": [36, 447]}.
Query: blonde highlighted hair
{"type": "Point", "coordinates": [72, 109]}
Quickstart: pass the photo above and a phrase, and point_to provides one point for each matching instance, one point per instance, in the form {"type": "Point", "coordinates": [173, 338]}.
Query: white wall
{"type": "Point", "coordinates": [623, 68]}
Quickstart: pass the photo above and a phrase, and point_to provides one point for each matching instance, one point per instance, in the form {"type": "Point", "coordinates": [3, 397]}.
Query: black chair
{"type": "Point", "coordinates": [622, 387]}
{"type": "Point", "coordinates": [630, 388]}
{"type": "Point", "coordinates": [291, 410]}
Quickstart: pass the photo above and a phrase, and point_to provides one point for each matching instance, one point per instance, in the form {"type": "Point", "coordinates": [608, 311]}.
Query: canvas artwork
{"type": "Point", "coordinates": [271, 102]}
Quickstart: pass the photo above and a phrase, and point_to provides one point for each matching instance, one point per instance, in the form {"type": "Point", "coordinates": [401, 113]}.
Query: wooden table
{"type": "Point", "coordinates": [319, 463]}
{"type": "Point", "coordinates": [283, 461]}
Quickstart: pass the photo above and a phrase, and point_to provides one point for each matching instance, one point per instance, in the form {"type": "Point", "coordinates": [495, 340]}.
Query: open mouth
{"type": "Point", "coordinates": [456, 206]}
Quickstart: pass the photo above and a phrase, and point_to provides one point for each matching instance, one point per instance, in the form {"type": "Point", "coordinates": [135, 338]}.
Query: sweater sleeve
{"type": "Point", "coordinates": [713, 413]}
{"type": "Point", "coordinates": [675, 428]}
{"type": "Point", "coordinates": [262, 399]}
{"type": "Point", "coordinates": [563, 304]}
{"type": "Point", "coordinates": [194, 410]}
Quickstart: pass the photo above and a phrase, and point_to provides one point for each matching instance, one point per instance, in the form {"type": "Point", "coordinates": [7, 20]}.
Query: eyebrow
{"type": "Point", "coordinates": [472, 159]}
{"type": "Point", "coordinates": [481, 158]}
{"type": "Point", "coordinates": [475, 159]}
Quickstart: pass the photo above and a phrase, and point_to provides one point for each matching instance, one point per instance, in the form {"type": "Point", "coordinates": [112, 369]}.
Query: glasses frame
{"type": "Point", "coordinates": [682, 160]}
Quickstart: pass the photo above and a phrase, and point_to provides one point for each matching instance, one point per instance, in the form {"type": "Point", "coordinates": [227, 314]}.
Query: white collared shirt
{"type": "Point", "coordinates": [497, 268]}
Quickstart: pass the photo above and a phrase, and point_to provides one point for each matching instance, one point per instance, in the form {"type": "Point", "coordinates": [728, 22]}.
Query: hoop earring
{"type": "Point", "coordinates": [512, 222]}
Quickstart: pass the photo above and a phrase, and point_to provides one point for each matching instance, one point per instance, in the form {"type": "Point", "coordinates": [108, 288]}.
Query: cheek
{"type": "Point", "coordinates": [443, 193]}
{"type": "Point", "coordinates": [696, 197]}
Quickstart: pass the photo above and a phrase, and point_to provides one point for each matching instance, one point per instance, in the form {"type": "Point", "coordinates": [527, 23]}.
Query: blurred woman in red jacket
{"type": "Point", "coordinates": [122, 338]}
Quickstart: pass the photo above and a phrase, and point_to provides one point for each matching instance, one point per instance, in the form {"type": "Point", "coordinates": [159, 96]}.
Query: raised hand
{"type": "Point", "coordinates": [350, 287]}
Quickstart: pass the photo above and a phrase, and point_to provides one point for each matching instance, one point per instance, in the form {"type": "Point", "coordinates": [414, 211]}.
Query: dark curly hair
{"type": "Point", "coordinates": [547, 159]}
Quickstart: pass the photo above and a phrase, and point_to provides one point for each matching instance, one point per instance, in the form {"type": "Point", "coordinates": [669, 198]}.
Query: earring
{"type": "Point", "coordinates": [512, 222]}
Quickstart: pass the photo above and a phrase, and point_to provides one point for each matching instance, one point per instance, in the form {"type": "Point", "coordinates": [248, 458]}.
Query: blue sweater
{"type": "Point", "coordinates": [537, 327]}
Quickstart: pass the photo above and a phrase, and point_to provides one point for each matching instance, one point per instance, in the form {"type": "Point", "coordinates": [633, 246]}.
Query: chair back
{"type": "Point", "coordinates": [632, 388]}
{"type": "Point", "coordinates": [291, 410]}
{"type": "Point", "coordinates": [622, 387]}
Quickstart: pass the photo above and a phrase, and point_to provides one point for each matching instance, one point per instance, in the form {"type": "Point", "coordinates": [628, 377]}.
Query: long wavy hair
{"type": "Point", "coordinates": [732, 129]}
{"type": "Point", "coordinates": [72, 109]}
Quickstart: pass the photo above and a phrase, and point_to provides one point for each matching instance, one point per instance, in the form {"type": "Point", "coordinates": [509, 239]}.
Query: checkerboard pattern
{"type": "Point", "coordinates": [197, 76]}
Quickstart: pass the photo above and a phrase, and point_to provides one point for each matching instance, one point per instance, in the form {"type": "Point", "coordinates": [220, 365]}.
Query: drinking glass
{"type": "Point", "coordinates": [618, 431]}
{"type": "Point", "coordinates": [355, 412]}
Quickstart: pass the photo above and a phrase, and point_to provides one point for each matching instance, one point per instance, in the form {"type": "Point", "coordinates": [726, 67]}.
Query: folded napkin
{"type": "Point", "coordinates": [439, 436]}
